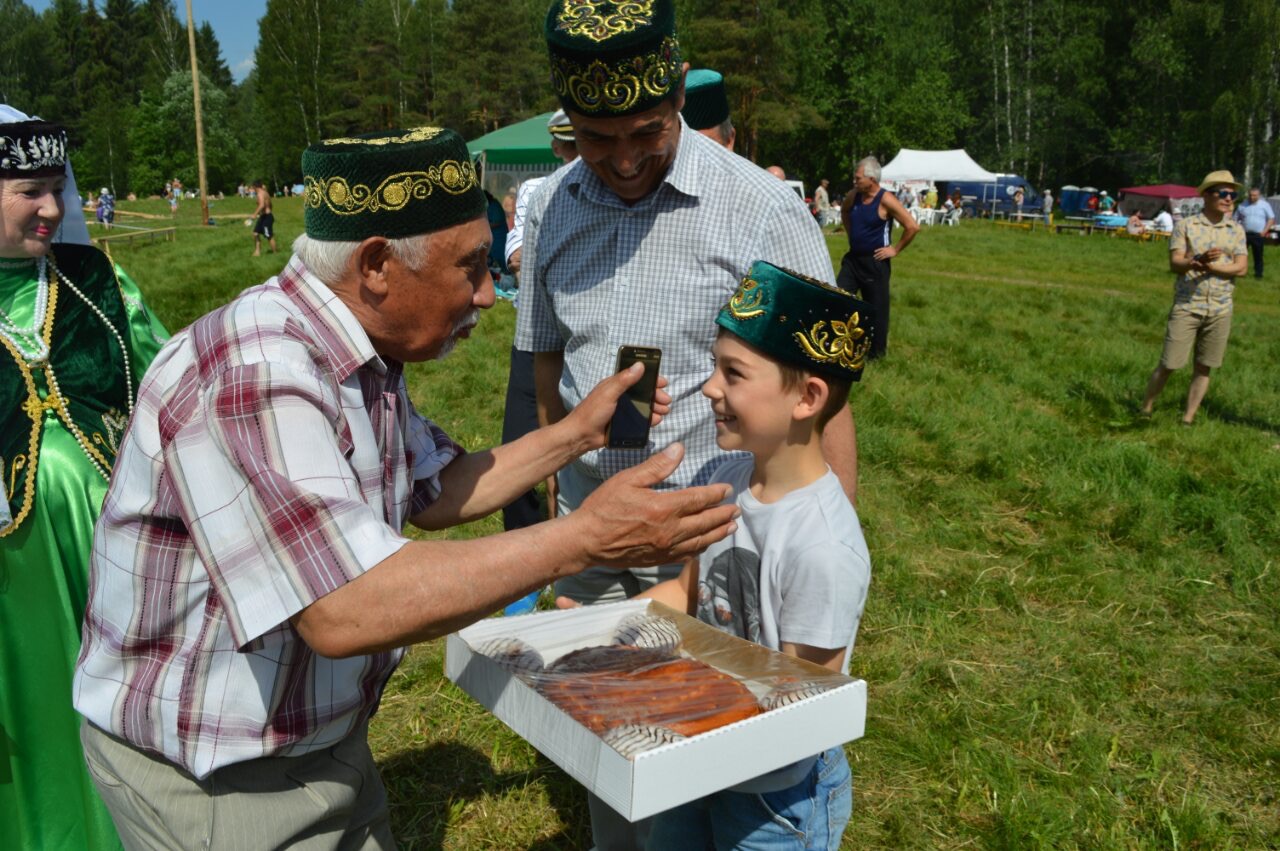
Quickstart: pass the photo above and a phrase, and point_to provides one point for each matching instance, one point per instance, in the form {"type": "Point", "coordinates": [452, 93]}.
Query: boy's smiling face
{"type": "Point", "coordinates": [752, 409]}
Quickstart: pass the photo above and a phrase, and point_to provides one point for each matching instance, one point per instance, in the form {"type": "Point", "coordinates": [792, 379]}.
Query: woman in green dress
{"type": "Point", "coordinates": [75, 339]}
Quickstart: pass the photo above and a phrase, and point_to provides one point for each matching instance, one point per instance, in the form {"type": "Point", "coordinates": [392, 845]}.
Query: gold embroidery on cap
{"type": "Point", "coordinates": [746, 301]}
{"type": "Point", "coordinates": [617, 88]}
{"type": "Point", "coordinates": [841, 345]}
{"type": "Point", "coordinates": [600, 20]}
{"type": "Point", "coordinates": [417, 134]}
{"type": "Point", "coordinates": [393, 193]}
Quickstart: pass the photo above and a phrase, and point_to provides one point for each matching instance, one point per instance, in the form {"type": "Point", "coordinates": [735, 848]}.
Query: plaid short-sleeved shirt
{"type": "Point", "coordinates": [599, 274]}
{"type": "Point", "coordinates": [1204, 293]}
{"type": "Point", "coordinates": [273, 456]}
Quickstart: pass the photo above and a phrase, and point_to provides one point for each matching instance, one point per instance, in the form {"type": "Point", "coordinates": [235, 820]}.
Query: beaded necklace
{"type": "Point", "coordinates": [34, 354]}
{"type": "Point", "coordinates": [27, 339]}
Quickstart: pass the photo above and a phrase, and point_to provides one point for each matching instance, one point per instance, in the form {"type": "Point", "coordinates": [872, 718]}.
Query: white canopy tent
{"type": "Point", "coordinates": [934, 166]}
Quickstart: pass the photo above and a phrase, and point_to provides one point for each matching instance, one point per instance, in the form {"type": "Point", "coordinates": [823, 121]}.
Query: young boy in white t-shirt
{"type": "Point", "coordinates": [794, 574]}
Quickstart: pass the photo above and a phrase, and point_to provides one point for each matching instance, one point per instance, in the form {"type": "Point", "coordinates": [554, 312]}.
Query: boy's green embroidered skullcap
{"type": "Point", "coordinates": [613, 57]}
{"type": "Point", "coordinates": [705, 102]}
{"type": "Point", "coordinates": [396, 183]}
{"type": "Point", "coordinates": [800, 321]}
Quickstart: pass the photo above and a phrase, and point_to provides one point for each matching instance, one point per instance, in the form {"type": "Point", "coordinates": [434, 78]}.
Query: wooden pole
{"type": "Point", "coordinates": [195, 87]}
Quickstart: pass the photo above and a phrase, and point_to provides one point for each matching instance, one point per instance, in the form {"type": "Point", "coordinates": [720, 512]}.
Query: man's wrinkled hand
{"type": "Point", "coordinates": [625, 523]}
{"type": "Point", "coordinates": [590, 418]}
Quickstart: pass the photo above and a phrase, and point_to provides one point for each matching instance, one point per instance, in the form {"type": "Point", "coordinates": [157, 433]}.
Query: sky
{"type": "Point", "coordinates": [235, 23]}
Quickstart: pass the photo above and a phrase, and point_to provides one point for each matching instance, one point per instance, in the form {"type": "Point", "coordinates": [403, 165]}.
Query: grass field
{"type": "Point", "coordinates": [1072, 638]}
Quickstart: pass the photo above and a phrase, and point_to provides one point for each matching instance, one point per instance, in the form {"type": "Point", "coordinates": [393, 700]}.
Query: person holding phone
{"type": "Point", "coordinates": [1207, 252]}
{"type": "Point", "coordinates": [639, 242]}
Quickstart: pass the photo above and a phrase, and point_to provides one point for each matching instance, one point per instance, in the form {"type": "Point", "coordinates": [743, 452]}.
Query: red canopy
{"type": "Point", "coordinates": [1163, 190]}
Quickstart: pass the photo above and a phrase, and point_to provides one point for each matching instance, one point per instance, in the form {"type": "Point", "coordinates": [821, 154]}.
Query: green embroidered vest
{"type": "Point", "coordinates": [88, 366]}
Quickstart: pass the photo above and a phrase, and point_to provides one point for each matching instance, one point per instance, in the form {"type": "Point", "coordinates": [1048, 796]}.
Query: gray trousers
{"type": "Point", "coordinates": [328, 799]}
{"type": "Point", "coordinates": [602, 584]}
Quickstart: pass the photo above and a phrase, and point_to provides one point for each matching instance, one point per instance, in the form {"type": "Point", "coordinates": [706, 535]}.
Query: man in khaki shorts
{"type": "Point", "coordinates": [1207, 251]}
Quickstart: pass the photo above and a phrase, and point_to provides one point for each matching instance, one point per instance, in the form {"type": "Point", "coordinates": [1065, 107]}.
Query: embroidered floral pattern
{"type": "Point", "coordinates": [33, 154]}
{"type": "Point", "coordinates": [747, 300]}
{"type": "Point", "coordinates": [602, 87]}
{"type": "Point", "coordinates": [393, 193]}
{"type": "Point", "coordinates": [600, 20]}
{"type": "Point", "coordinates": [418, 134]}
{"type": "Point", "coordinates": [843, 344]}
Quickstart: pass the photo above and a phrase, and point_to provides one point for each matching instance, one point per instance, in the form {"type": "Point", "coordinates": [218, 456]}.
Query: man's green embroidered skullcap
{"type": "Point", "coordinates": [613, 57]}
{"type": "Point", "coordinates": [800, 321]}
{"type": "Point", "coordinates": [396, 183]}
{"type": "Point", "coordinates": [705, 102]}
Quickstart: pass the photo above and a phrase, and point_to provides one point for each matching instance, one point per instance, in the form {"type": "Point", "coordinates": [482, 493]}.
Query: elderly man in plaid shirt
{"type": "Point", "coordinates": [251, 590]}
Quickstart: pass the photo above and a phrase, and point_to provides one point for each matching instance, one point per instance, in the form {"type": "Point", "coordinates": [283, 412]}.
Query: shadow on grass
{"type": "Point", "coordinates": [429, 788]}
{"type": "Point", "coordinates": [1227, 414]}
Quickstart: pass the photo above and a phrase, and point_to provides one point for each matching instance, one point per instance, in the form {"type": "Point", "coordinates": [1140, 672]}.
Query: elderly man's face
{"type": "Point", "coordinates": [630, 154]}
{"type": "Point", "coordinates": [427, 310]}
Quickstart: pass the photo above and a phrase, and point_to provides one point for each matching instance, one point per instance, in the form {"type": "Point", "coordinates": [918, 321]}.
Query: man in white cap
{"type": "Point", "coordinates": [1207, 252]}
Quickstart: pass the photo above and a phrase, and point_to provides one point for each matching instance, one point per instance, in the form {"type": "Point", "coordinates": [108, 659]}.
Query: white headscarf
{"type": "Point", "coordinates": [73, 228]}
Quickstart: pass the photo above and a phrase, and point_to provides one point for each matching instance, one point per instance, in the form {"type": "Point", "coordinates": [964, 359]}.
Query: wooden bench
{"type": "Point", "coordinates": [1029, 225]}
{"type": "Point", "coordinates": [1077, 229]}
{"type": "Point", "coordinates": [167, 234]}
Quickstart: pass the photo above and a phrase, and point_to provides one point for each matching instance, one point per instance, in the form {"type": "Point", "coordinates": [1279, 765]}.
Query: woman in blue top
{"type": "Point", "coordinates": [864, 271]}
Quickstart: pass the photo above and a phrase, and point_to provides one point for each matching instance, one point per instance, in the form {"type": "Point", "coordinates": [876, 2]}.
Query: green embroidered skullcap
{"type": "Point", "coordinates": [800, 321]}
{"type": "Point", "coordinates": [705, 102]}
{"type": "Point", "coordinates": [613, 57]}
{"type": "Point", "coordinates": [396, 183]}
{"type": "Point", "coordinates": [32, 149]}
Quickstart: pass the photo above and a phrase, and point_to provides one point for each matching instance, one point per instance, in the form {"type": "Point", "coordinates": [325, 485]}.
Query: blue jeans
{"type": "Point", "coordinates": [810, 815]}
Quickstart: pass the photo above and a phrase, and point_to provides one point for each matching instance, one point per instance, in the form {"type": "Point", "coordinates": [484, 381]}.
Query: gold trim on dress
{"type": "Point", "coordinates": [393, 193]}
{"type": "Point", "coordinates": [839, 345]}
{"type": "Point", "coordinates": [601, 20]}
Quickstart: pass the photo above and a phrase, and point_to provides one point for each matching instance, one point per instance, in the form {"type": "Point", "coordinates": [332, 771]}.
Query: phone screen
{"type": "Point", "coordinates": [629, 428]}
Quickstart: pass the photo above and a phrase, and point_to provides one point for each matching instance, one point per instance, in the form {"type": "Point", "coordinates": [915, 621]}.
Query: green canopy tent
{"type": "Point", "coordinates": [511, 155]}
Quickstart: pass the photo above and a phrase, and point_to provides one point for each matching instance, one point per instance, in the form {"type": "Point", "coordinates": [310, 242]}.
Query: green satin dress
{"type": "Point", "coordinates": [47, 800]}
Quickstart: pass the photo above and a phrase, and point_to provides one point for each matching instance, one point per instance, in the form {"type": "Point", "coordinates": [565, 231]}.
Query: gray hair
{"type": "Point", "coordinates": [725, 131]}
{"type": "Point", "coordinates": [328, 261]}
{"type": "Point", "coordinates": [870, 168]}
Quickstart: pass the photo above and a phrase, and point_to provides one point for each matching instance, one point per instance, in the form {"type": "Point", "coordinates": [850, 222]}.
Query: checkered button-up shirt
{"type": "Point", "coordinates": [272, 458]}
{"type": "Point", "coordinates": [1204, 293]}
{"type": "Point", "coordinates": [599, 274]}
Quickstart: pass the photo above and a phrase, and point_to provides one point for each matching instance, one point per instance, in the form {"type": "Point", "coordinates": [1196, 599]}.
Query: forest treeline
{"type": "Point", "coordinates": [1061, 91]}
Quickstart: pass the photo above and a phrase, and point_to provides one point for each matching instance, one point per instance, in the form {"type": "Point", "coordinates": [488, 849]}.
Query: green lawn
{"type": "Point", "coordinates": [1073, 632]}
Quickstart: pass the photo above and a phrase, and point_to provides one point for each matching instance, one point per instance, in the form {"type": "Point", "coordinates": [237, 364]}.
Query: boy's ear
{"type": "Point", "coordinates": [814, 392]}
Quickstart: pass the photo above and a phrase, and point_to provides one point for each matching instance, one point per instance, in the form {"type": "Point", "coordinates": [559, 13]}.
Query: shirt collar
{"type": "Point", "coordinates": [683, 176]}
{"type": "Point", "coordinates": [1204, 220]}
{"type": "Point", "coordinates": [343, 339]}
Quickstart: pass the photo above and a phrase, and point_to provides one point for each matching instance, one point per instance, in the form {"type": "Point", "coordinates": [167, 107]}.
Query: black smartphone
{"type": "Point", "coordinates": [629, 428]}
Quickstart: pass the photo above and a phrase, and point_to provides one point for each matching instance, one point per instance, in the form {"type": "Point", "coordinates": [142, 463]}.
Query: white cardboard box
{"type": "Point", "coordinates": [672, 774]}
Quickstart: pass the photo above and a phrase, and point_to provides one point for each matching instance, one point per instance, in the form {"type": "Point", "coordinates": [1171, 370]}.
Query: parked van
{"type": "Point", "coordinates": [985, 198]}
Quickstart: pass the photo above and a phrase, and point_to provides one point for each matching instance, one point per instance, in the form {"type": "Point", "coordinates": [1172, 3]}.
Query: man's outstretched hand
{"type": "Point", "coordinates": [625, 523]}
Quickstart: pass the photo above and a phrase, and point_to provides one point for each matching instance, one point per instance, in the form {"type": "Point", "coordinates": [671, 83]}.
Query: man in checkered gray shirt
{"type": "Point", "coordinates": [640, 242]}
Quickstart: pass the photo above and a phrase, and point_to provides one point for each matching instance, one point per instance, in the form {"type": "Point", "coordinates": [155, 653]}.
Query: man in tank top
{"type": "Point", "coordinates": [866, 212]}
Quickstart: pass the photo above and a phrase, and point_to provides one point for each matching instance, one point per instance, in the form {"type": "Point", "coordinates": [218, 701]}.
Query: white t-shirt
{"type": "Point", "coordinates": [795, 570]}
{"type": "Point", "coordinates": [1163, 222]}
